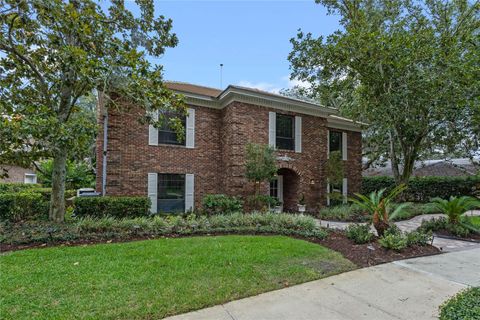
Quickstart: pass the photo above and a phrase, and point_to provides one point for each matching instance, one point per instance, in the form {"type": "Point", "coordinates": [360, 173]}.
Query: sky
{"type": "Point", "coordinates": [251, 39]}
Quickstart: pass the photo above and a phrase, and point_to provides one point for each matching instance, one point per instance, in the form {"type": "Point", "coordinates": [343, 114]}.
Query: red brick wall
{"type": "Point", "coordinates": [218, 159]}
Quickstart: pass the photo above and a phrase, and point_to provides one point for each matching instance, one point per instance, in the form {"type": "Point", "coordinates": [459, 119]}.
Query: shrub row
{"type": "Point", "coordinates": [90, 228]}
{"type": "Point", "coordinates": [10, 187]}
{"type": "Point", "coordinates": [23, 205]}
{"type": "Point", "coordinates": [354, 213]}
{"type": "Point", "coordinates": [422, 189]}
{"type": "Point", "coordinates": [27, 204]}
{"type": "Point", "coordinates": [117, 207]}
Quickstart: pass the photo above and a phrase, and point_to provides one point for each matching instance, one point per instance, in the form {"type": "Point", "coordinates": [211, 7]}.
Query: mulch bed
{"type": "Point", "coordinates": [473, 237]}
{"type": "Point", "coordinates": [362, 256]}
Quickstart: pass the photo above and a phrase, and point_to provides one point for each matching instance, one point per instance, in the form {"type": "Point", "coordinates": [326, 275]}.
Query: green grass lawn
{"type": "Point", "coordinates": [154, 278]}
{"type": "Point", "coordinates": [474, 221]}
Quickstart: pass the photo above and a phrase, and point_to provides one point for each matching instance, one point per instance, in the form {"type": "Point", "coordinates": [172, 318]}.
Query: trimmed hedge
{"type": "Point", "coordinates": [24, 205]}
{"type": "Point", "coordinates": [118, 207]}
{"type": "Point", "coordinates": [464, 306]}
{"type": "Point", "coordinates": [422, 189]}
{"type": "Point", "coordinates": [10, 187]}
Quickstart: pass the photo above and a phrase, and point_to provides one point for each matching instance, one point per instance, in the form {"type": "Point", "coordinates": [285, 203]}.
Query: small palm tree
{"type": "Point", "coordinates": [380, 207]}
{"type": "Point", "coordinates": [455, 207]}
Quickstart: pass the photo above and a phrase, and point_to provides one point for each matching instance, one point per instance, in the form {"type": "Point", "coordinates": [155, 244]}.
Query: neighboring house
{"type": "Point", "coordinates": [445, 167]}
{"type": "Point", "coordinates": [18, 174]}
{"type": "Point", "coordinates": [176, 175]}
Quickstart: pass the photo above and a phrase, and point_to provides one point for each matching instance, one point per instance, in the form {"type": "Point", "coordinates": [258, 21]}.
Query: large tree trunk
{"type": "Point", "coordinates": [57, 200]}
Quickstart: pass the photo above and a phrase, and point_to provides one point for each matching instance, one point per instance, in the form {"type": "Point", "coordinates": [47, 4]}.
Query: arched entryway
{"type": "Point", "coordinates": [286, 188]}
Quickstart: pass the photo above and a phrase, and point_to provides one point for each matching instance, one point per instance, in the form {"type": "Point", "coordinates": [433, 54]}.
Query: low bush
{"type": "Point", "coordinates": [10, 187]}
{"type": "Point", "coordinates": [441, 224]}
{"type": "Point", "coordinates": [393, 241]}
{"type": "Point", "coordinates": [397, 240]}
{"type": "Point", "coordinates": [94, 228]}
{"type": "Point", "coordinates": [343, 213]}
{"type": "Point", "coordinates": [353, 213]}
{"type": "Point", "coordinates": [359, 233]}
{"type": "Point", "coordinates": [221, 204]}
{"type": "Point", "coordinates": [422, 189]}
{"type": "Point", "coordinates": [117, 207]}
{"type": "Point", "coordinates": [463, 306]}
{"type": "Point", "coordinates": [260, 202]}
{"type": "Point", "coordinates": [418, 238]}
{"type": "Point", "coordinates": [23, 205]}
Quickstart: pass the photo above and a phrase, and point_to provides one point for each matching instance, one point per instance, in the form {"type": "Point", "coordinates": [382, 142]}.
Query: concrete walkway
{"type": "Point", "coordinates": [408, 289]}
{"type": "Point", "coordinates": [444, 244]}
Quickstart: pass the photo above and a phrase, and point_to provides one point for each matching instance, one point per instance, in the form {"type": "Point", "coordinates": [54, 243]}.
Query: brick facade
{"type": "Point", "coordinates": [218, 158]}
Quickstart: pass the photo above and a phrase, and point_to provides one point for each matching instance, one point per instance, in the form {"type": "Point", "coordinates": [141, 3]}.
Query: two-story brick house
{"type": "Point", "coordinates": [142, 160]}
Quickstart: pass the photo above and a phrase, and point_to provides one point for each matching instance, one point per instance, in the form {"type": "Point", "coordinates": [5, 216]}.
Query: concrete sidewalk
{"type": "Point", "coordinates": [408, 289]}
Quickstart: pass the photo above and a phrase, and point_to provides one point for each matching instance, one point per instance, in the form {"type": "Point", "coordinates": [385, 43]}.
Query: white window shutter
{"type": "Point", "coordinates": [152, 191]}
{"type": "Point", "coordinates": [328, 193]}
{"type": "Point", "coordinates": [345, 190]}
{"type": "Point", "coordinates": [189, 192]}
{"type": "Point", "coordinates": [328, 144]}
{"type": "Point", "coordinates": [298, 134]}
{"type": "Point", "coordinates": [152, 131]}
{"type": "Point", "coordinates": [344, 146]}
{"type": "Point", "coordinates": [190, 130]}
{"type": "Point", "coordinates": [272, 129]}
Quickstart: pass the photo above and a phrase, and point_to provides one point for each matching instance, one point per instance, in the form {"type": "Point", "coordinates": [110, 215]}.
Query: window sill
{"type": "Point", "coordinates": [171, 146]}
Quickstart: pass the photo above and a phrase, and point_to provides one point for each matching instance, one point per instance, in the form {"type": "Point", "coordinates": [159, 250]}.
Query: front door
{"type": "Point", "coordinates": [276, 189]}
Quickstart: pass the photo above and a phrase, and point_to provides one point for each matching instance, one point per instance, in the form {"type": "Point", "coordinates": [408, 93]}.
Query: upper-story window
{"type": "Point", "coordinates": [285, 132]}
{"type": "Point", "coordinates": [335, 141]}
{"type": "Point", "coordinates": [167, 135]}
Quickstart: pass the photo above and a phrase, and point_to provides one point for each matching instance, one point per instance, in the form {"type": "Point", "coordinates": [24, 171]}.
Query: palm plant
{"type": "Point", "coordinates": [455, 207]}
{"type": "Point", "coordinates": [380, 207]}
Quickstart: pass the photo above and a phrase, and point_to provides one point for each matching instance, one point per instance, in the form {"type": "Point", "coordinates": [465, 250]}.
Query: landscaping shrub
{"type": "Point", "coordinates": [10, 187]}
{"type": "Point", "coordinates": [439, 224]}
{"type": "Point", "coordinates": [343, 213]}
{"type": "Point", "coordinates": [393, 241]}
{"type": "Point", "coordinates": [23, 205]}
{"type": "Point", "coordinates": [418, 238]}
{"type": "Point", "coordinates": [94, 228]}
{"type": "Point", "coordinates": [359, 233]}
{"type": "Point", "coordinates": [220, 203]}
{"type": "Point", "coordinates": [260, 202]}
{"type": "Point", "coordinates": [118, 207]}
{"type": "Point", "coordinates": [463, 306]}
{"type": "Point", "coordinates": [422, 189]}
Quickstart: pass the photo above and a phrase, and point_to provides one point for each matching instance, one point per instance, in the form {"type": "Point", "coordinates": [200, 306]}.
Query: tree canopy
{"type": "Point", "coordinates": [409, 69]}
{"type": "Point", "coordinates": [53, 54]}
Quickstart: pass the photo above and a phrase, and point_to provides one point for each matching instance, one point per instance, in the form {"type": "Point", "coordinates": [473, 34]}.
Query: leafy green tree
{"type": "Point", "coordinates": [407, 68]}
{"type": "Point", "coordinates": [260, 164]}
{"type": "Point", "coordinates": [79, 174]}
{"type": "Point", "coordinates": [54, 53]}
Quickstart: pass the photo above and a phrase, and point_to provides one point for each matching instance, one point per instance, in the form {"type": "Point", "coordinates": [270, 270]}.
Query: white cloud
{"type": "Point", "coordinates": [283, 83]}
{"type": "Point", "coordinates": [264, 86]}
{"type": "Point", "coordinates": [295, 83]}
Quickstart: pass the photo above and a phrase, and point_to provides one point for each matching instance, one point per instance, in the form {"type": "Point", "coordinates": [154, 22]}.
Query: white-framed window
{"type": "Point", "coordinates": [285, 132]}
{"type": "Point", "coordinates": [337, 142]}
{"type": "Point", "coordinates": [337, 193]}
{"type": "Point", "coordinates": [30, 178]}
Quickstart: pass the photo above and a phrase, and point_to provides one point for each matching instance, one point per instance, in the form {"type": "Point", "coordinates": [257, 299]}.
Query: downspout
{"type": "Point", "coordinates": [104, 161]}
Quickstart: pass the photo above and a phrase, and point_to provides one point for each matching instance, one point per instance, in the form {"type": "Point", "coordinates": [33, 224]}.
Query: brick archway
{"type": "Point", "coordinates": [291, 188]}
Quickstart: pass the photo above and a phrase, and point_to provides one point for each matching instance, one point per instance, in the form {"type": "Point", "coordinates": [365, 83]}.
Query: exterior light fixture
{"type": "Point", "coordinates": [312, 182]}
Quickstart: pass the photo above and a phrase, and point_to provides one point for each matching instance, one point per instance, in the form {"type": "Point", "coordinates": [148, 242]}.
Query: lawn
{"type": "Point", "coordinates": [155, 278]}
{"type": "Point", "coordinates": [475, 221]}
